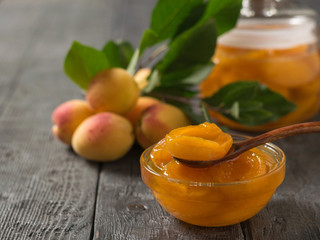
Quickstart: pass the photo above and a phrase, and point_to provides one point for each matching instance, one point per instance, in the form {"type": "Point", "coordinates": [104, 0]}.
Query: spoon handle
{"type": "Point", "coordinates": [296, 129]}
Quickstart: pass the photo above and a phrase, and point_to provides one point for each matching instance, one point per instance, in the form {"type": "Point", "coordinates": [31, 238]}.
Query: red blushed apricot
{"type": "Point", "coordinates": [67, 117]}
{"type": "Point", "coordinates": [103, 137]}
{"type": "Point", "coordinates": [142, 104]}
{"type": "Point", "coordinates": [112, 90]}
{"type": "Point", "coordinates": [202, 142]}
{"type": "Point", "coordinates": [158, 120]}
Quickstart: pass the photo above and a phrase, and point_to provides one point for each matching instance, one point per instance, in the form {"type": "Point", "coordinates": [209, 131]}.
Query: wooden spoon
{"type": "Point", "coordinates": [239, 147]}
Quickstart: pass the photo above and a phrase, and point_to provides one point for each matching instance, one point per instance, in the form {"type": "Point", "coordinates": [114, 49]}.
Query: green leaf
{"type": "Point", "coordinates": [118, 53]}
{"type": "Point", "coordinates": [83, 62]}
{"type": "Point", "coordinates": [235, 110]}
{"type": "Point", "coordinates": [192, 75]}
{"type": "Point", "coordinates": [154, 80]}
{"type": "Point", "coordinates": [233, 92]}
{"type": "Point", "coordinates": [193, 47]}
{"type": "Point", "coordinates": [249, 103]}
{"type": "Point", "coordinates": [205, 112]}
{"type": "Point", "coordinates": [183, 90]}
{"type": "Point", "coordinates": [131, 69]}
{"type": "Point", "coordinates": [225, 13]}
{"type": "Point", "coordinates": [191, 20]}
{"type": "Point", "coordinates": [149, 38]}
{"type": "Point", "coordinates": [196, 117]}
{"type": "Point", "coordinates": [166, 17]}
{"type": "Point", "coordinates": [274, 102]}
{"type": "Point", "coordinates": [255, 118]}
{"type": "Point", "coordinates": [180, 83]}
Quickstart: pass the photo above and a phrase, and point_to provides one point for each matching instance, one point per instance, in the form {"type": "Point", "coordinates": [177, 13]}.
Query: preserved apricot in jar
{"type": "Point", "coordinates": [284, 57]}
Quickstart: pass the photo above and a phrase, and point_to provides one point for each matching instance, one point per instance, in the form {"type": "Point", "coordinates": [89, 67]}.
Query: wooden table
{"type": "Point", "coordinates": [48, 192]}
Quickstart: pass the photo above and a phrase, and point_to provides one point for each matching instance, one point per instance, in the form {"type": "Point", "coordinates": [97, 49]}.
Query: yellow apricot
{"type": "Point", "coordinates": [291, 72]}
{"type": "Point", "coordinates": [112, 90]}
{"type": "Point", "coordinates": [103, 137]}
{"type": "Point", "coordinates": [141, 77]}
{"type": "Point", "coordinates": [142, 104]}
{"type": "Point", "coordinates": [67, 117]}
{"type": "Point", "coordinates": [158, 120]}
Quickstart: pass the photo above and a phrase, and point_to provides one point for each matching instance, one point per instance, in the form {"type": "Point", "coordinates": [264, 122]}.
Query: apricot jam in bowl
{"type": "Point", "coordinates": [220, 195]}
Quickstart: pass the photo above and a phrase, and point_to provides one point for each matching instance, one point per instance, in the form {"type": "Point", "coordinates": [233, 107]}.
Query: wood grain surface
{"type": "Point", "coordinates": [48, 192]}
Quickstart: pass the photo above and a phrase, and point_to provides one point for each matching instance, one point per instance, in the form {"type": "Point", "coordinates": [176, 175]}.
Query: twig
{"type": "Point", "coordinates": [153, 55]}
{"type": "Point", "coordinates": [172, 97]}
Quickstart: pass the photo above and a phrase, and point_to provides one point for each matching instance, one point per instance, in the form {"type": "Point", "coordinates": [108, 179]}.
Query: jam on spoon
{"type": "Point", "coordinates": [239, 147]}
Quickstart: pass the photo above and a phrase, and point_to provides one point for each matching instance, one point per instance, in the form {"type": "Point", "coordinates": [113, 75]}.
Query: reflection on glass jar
{"type": "Point", "coordinates": [280, 52]}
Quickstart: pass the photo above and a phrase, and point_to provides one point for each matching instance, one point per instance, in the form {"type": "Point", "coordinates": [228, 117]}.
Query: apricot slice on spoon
{"type": "Point", "coordinates": [198, 143]}
{"type": "Point", "coordinates": [237, 148]}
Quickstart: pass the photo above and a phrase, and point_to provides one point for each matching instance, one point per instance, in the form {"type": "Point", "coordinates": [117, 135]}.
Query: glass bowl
{"type": "Point", "coordinates": [210, 203]}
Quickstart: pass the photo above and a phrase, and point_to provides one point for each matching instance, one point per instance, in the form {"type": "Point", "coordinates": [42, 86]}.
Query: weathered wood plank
{"type": "Point", "coordinates": [127, 210]}
{"type": "Point", "coordinates": [15, 39]}
{"type": "Point", "coordinates": [294, 211]}
{"type": "Point", "coordinates": [46, 192]}
{"type": "Point", "coordinates": [125, 207]}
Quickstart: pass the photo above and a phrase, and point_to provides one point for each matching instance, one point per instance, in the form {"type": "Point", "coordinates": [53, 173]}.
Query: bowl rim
{"type": "Point", "coordinates": [269, 146]}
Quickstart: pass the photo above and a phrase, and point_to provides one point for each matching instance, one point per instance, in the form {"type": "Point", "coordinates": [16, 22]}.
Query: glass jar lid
{"type": "Point", "coordinates": [275, 33]}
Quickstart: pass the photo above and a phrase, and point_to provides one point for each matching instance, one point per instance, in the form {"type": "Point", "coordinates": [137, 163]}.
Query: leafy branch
{"type": "Point", "coordinates": [185, 33]}
{"type": "Point", "coordinates": [156, 53]}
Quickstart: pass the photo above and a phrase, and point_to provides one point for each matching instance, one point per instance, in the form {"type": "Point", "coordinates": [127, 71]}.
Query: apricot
{"type": "Point", "coordinates": [158, 120]}
{"type": "Point", "coordinates": [206, 140]}
{"type": "Point", "coordinates": [103, 137]}
{"type": "Point", "coordinates": [289, 72]}
{"type": "Point", "coordinates": [142, 104]}
{"type": "Point", "coordinates": [67, 117]}
{"type": "Point", "coordinates": [202, 142]}
{"type": "Point", "coordinates": [141, 77]}
{"type": "Point", "coordinates": [112, 90]}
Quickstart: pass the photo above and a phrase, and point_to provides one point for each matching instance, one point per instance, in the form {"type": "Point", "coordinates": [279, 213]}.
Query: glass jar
{"type": "Point", "coordinates": [276, 44]}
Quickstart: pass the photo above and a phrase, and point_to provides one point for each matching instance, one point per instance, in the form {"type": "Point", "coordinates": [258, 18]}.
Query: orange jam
{"type": "Point", "coordinates": [285, 58]}
{"type": "Point", "coordinates": [220, 195]}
